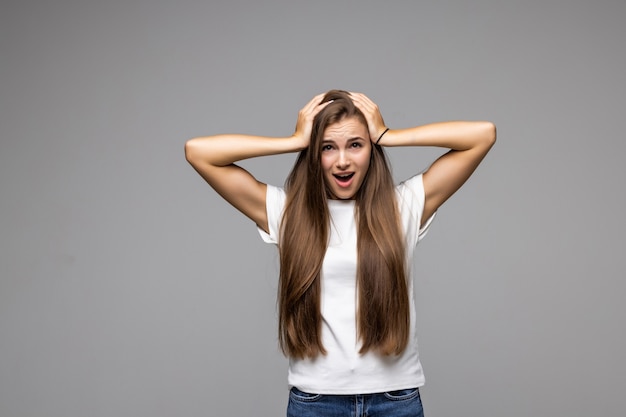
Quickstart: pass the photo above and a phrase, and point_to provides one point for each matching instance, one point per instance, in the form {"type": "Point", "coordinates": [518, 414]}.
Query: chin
{"type": "Point", "coordinates": [344, 195]}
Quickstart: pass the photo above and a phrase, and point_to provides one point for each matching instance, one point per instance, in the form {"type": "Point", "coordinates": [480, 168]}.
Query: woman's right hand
{"type": "Point", "coordinates": [304, 125]}
{"type": "Point", "coordinates": [215, 158]}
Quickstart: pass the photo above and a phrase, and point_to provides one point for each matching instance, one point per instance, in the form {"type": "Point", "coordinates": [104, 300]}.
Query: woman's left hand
{"type": "Point", "coordinates": [375, 122]}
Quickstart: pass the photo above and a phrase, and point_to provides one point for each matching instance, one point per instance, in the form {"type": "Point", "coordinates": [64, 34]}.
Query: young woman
{"type": "Point", "coordinates": [345, 235]}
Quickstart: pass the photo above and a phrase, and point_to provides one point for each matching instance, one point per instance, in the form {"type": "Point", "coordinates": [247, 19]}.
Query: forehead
{"type": "Point", "coordinates": [346, 128]}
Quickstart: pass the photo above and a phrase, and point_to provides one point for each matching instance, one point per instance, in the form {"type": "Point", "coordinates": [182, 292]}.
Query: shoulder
{"type": "Point", "coordinates": [274, 206]}
{"type": "Point", "coordinates": [411, 197]}
{"type": "Point", "coordinates": [411, 201]}
{"type": "Point", "coordinates": [275, 194]}
{"type": "Point", "coordinates": [411, 188]}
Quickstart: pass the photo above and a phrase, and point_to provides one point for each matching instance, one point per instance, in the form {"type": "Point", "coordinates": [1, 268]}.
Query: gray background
{"type": "Point", "coordinates": [128, 288]}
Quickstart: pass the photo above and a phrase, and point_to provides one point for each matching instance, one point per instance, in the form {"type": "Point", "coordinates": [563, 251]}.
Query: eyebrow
{"type": "Point", "coordinates": [354, 139]}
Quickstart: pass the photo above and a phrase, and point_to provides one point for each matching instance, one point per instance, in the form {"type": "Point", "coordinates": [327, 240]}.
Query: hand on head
{"type": "Point", "coordinates": [375, 123]}
{"type": "Point", "coordinates": [305, 119]}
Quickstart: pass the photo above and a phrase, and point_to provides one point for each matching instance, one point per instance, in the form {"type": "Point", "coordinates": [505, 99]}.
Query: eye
{"type": "Point", "coordinates": [356, 145]}
{"type": "Point", "coordinates": [326, 148]}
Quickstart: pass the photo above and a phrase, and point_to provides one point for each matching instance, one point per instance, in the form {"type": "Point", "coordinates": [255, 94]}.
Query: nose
{"type": "Point", "coordinates": [342, 160]}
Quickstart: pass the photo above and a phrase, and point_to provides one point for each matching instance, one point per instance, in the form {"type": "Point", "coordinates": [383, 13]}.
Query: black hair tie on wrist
{"type": "Point", "coordinates": [381, 136]}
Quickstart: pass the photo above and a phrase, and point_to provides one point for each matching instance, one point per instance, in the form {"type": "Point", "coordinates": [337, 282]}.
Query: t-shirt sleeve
{"type": "Point", "coordinates": [274, 205]}
{"type": "Point", "coordinates": [412, 198]}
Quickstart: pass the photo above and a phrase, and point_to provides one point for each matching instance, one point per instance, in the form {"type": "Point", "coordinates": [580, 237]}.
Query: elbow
{"type": "Point", "coordinates": [201, 151]}
{"type": "Point", "coordinates": [191, 150]}
{"type": "Point", "coordinates": [489, 133]}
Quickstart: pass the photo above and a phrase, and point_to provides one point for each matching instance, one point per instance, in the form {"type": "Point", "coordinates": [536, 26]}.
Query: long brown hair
{"type": "Point", "coordinates": [382, 300]}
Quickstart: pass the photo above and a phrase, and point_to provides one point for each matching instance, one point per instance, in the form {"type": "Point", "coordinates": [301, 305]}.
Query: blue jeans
{"type": "Point", "coordinates": [402, 403]}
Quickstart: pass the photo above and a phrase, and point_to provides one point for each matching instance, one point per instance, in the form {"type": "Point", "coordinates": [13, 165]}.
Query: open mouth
{"type": "Point", "coordinates": [344, 178]}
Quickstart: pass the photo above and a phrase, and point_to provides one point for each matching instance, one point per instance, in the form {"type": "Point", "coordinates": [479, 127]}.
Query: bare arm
{"type": "Point", "coordinates": [468, 142]}
{"type": "Point", "coordinates": [214, 157]}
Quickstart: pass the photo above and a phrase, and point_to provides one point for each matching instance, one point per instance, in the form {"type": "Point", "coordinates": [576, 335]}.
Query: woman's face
{"type": "Point", "coordinates": [346, 150]}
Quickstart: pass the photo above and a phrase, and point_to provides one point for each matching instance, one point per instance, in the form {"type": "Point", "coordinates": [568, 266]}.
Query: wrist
{"type": "Point", "coordinates": [380, 136]}
{"type": "Point", "coordinates": [299, 143]}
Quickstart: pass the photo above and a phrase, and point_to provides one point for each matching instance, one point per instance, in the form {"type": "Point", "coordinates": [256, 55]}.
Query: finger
{"type": "Point", "coordinates": [316, 104]}
{"type": "Point", "coordinates": [367, 110]}
{"type": "Point", "coordinates": [319, 108]}
{"type": "Point", "coordinates": [363, 103]}
{"type": "Point", "coordinates": [318, 99]}
{"type": "Point", "coordinates": [361, 98]}
{"type": "Point", "coordinates": [313, 102]}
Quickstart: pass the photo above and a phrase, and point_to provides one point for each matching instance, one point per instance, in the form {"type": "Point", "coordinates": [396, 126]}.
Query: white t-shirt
{"type": "Point", "coordinates": [343, 370]}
